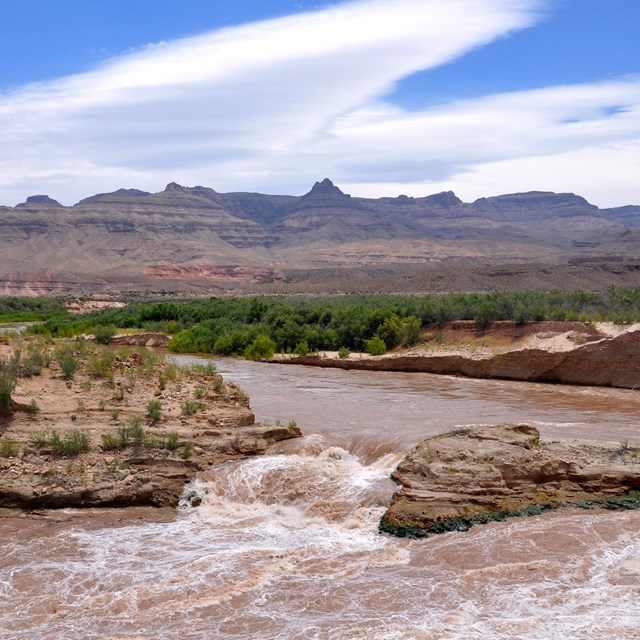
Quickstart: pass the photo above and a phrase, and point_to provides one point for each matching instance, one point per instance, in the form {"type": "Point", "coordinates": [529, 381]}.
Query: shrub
{"type": "Point", "coordinates": [68, 363]}
{"type": "Point", "coordinates": [8, 379]}
{"type": "Point", "coordinates": [71, 444]}
{"type": "Point", "coordinates": [154, 408]}
{"type": "Point", "coordinates": [9, 448]}
{"type": "Point", "coordinates": [172, 441]}
{"type": "Point", "coordinates": [302, 348]}
{"type": "Point", "coordinates": [262, 348]}
{"type": "Point", "coordinates": [100, 366]}
{"type": "Point", "coordinates": [343, 353]}
{"type": "Point", "coordinates": [189, 407]}
{"type": "Point", "coordinates": [104, 333]}
{"type": "Point", "coordinates": [208, 370]}
{"type": "Point", "coordinates": [110, 442]}
{"type": "Point", "coordinates": [33, 407]}
{"type": "Point", "coordinates": [376, 346]}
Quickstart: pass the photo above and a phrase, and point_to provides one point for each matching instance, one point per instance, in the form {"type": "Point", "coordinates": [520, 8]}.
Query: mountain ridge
{"type": "Point", "coordinates": [131, 237]}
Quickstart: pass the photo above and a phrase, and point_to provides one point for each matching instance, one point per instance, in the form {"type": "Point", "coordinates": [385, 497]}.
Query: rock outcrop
{"type": "Point", "coordinates": [95, 439]}
{"type": "Point", "coordinates": [472, 476]}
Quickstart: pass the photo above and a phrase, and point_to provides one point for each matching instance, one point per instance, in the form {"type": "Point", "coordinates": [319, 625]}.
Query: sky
{"type": "Point", "coordinates": [384, 97]}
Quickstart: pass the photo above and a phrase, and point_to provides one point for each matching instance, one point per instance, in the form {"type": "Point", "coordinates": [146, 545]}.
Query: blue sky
{"type": "Point", "coordinates": [383, 96]}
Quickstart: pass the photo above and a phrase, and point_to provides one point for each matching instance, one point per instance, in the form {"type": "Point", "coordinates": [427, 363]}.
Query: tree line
{"type": "Point", "coordinates": [231, 326]}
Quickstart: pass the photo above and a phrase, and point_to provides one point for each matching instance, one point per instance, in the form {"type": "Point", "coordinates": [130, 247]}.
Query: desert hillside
{"type": "Point", "coordinates": [200, 241]}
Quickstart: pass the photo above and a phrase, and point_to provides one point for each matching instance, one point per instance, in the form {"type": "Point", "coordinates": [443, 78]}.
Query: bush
{"type": "Point", "coordinates": [68, 363]}
{"type": "Point", "coordinates": [189, 407]}
{"type": "Point", "coordinates": [262, 348]}
{"type": "Point", "coordinates": [9, 448]}
{"type": "Point", "coordinates": [154, 408]}
{"type": "Point", "coordinates": [302, 348]}
{"type": "Point", "coordinates": [103, 333]}
{"type": "Point", "coordinates": [71, 444]}
{"type": "Point", "coordinates": [376, 346]}
{"type": "Point", "coordinates": [8, 378]}
{"type": "Point", "coordinates": [33, 407]}
{"type": "Point", "coordinates": [343, 353]}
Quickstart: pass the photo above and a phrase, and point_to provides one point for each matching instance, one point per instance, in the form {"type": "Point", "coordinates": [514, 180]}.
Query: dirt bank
{"type": "Point", "coordinates": [568, 353]}
{"type": "Point", "coordinates": [125, 428]}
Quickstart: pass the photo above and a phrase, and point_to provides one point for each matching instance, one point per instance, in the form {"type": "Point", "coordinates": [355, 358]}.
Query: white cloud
{"type": "Point", "coordinates": [275, 105]}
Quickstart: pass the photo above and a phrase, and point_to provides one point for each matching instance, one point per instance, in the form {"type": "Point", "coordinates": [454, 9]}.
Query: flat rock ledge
{"type": "Point", "coordinates": [473, 476]}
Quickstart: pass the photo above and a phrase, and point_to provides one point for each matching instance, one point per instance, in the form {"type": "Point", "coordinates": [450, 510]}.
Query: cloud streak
{"type": "Point", "coordinates": [275, 105]}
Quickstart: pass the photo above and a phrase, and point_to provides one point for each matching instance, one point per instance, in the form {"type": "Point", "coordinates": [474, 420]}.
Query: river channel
{"type": "Point", "coordinates": [286, 546]}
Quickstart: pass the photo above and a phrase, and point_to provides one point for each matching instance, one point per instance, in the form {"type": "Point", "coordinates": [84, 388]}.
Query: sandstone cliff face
{"type": "Point", "coordinates": [472, 476]}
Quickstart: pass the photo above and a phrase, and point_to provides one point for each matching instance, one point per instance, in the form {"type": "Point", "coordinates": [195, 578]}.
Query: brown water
{"type": "Point", "coordinates": [286, 546]}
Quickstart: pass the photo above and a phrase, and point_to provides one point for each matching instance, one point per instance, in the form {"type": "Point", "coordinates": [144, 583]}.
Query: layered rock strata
{"type": "Point", "coordinates": [472, 476]}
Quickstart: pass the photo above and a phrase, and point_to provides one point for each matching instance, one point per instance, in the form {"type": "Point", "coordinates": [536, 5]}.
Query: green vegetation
{"type": "Point", "coordinates": [9, 447]}
{"type": "Point", "coordinates": [252, 326]}
{"type": "Point", "coordinates": [9, 368]}
{"type": "Point", "coordinates": [68, 445]}
{"type": "Point", "coordinates": [19, 309]}
{"type": "Point", "coordinates": [154, 410]}
{"type": "Point", "coordinates": [67, 362]}
{"type": "Point", "coordinates": [376, 346]}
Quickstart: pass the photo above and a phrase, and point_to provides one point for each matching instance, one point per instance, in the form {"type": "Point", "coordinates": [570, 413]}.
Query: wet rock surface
{"type": "Point", "coordinates": [452, 481]}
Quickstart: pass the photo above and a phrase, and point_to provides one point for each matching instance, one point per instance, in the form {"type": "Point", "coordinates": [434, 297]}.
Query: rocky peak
{"type": "Point", "coordinates": [40, 200]}
{"type": "Point", "coordinates": [444, 199]}
{"type": "Point", "coordinates": [174, 186]}
{"type": "Point", "coordinates": [326, 188]}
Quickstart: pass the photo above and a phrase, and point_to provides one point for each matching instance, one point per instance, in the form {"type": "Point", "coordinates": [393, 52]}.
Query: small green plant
{"type": "Point", "coordinates": [154, 410]}
{"type": "Point", "coordinates": [376, 346]}
{"type": "Point", "coordinates": [80, 403]}
{"type": "Point", "coordinates": [162, 383]}
{"type": "Point", "coordinates": [134, 421]}
{"type": "Point", "coordinates": [110, 442]}
{"type": "Point", "coordinates": [189, 407]}
{"type": "Point", "coordinates": [68, 363]}
{"type": "Point", "coordinates": [343, 353]}
{"type": "Point", "coordinates": [292, 426]}
{"type": "Point", "coordinates": [33, 408]}
{"type": "Point", "coordinates": [187, 451]}
{"type": "Point", "coordinates": [218, 383]}
{"type": "Point", "coordinates": [9, 368]}
{"type": "Point", "coordinates": [137, 435]}
{"type": "Point", "coordinates": [199, 393]}
{"type": "Point", "coordinates": [9, 448]}
{"type": "Point", "coordinates": [123, 437]}
{"type": "Point", "coordinates": [171, 442]}
{"type": "Point", "coordinates": [101, 405]}
{"type": "Point", "coordinates": [302, 348]}
{"type": "Point", "coordinates": [118, 394]}
{"type": "Point", "coordinates": [86, 385]}
{"type": "Point", "coordinates": [207, 370]}
{"type": "Point", "coordinates": [71, 444]}
{"type": "Point", "coordinates": [115, 414]}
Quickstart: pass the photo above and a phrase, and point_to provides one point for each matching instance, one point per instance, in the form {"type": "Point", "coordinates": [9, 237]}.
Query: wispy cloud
{"type": "Point", "coordinates": [278, 104]}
